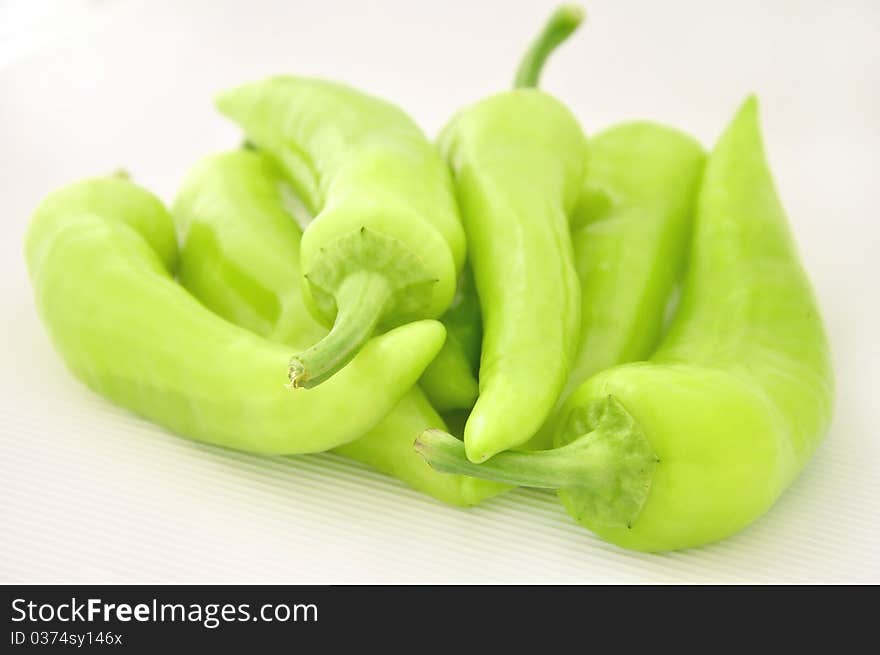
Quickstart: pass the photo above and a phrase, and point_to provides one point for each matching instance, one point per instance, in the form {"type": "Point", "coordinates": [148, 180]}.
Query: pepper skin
{"type": "Point", "coordinates": [698, 442]}
{"type": "Point", "coordinates": [235, 288]}
{"type": "Point", "coordinates": [518, 163]}
{"type": "Point", "coordinates": [99, 254]}
{"type": "Point", "coordinates": [386, 241]}
{"type": "Point", "coordinates": [237, 239]}
{"type": "Point", "coordinates": [630, 234]}
{"type": "Point", "coordinates": [450, 381]}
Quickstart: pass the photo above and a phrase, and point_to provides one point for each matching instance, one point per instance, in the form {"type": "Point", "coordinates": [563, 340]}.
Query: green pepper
{"type": "Point", "coordinates": [630, 234]}
{"type": "Point", "coordinates": [698, 442]}
{"type": "Point", "coordinates": [238, 257]}
{"type": "Point", "coordinates": [99, 254]}
{"type": "Point", "coordinates": [386, 240]}
{"type": "Point", "coordinates": [518, 162]}
{"type": "Point", "coordinates": [630, 230]}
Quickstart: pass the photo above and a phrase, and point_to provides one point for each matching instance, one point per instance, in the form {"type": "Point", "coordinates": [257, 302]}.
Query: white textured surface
{"type": "Point", "coordinates": [91, 494]}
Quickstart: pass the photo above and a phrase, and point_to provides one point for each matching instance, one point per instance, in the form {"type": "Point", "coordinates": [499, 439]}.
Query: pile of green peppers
{"type": "Point", "coordinates": [621, 318]}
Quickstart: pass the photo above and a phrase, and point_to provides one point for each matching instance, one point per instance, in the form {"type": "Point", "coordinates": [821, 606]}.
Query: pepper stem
{"type": "Point", "coordinates": [606, 469]}
{"type": "Point", "coordinates": [578, 464]}
{"type": "Point", "coordinates": [561, 24]}
{"type": "Point", "coordinates": [360, 301]}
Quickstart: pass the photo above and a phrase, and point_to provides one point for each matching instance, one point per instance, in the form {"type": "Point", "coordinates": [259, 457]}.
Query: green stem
{"type": "Point", "coordinates": [583, 462]}
{"type": "Point", "coordinates": [604, 470]}
{"type": "Point", "coordinates": [562, 24]}
{"type": "Point", "coordinates": [360, 302]}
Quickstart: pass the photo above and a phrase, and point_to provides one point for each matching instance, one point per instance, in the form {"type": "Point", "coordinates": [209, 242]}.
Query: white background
{"type": "Point", "coordinates": [90, 493]}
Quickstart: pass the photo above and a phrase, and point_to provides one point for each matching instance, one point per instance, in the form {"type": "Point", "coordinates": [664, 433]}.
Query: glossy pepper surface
{"type": "Point", "coordinates": [630, 234]}
{"type": "Point", "coordinates": [99, 254]}
{"type": "Point", "coordinates": [450, 381]}
{"type": "Point", "coordinates": [698, 442]}
{"type": "Point", "coordinates": [386, 241]}
{"type": "Point", "coordinates": [518, 161]}
{"type": "Point", "coordinates": [237, 236]}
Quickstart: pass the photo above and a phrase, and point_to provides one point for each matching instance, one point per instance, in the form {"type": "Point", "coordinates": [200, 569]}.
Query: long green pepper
{"type": "Point", "coordinates": [630, 234]}
{"type": "Point", "coordinates": [629, 230]}
{"type": "Point", "coordinates": [237, 239]}
{"type": "Point", "coordinates": [386, 241]}
{"type": "Point", "coordinates": [100, 254]}
{"type": "Point", "coordinates": [696, 443]}
{"type": "Point", "coordinates": [518, 163]}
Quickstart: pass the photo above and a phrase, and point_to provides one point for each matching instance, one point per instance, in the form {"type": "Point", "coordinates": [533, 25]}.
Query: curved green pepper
{"type": "Point", "coordinates": [237, 241]}
{"type": "Point", "coordinates": [99, 253]}
{"type": "Point", "coordinates": [518, 163]}
{"type": "Point", "coordinates": [386, 242]}
{"type": "Point", "coordinates": [630, 230]}
{"type": "Point", "coordinates": [630, 234]}
{"type": "Point", "coordinates": [698, 442]}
